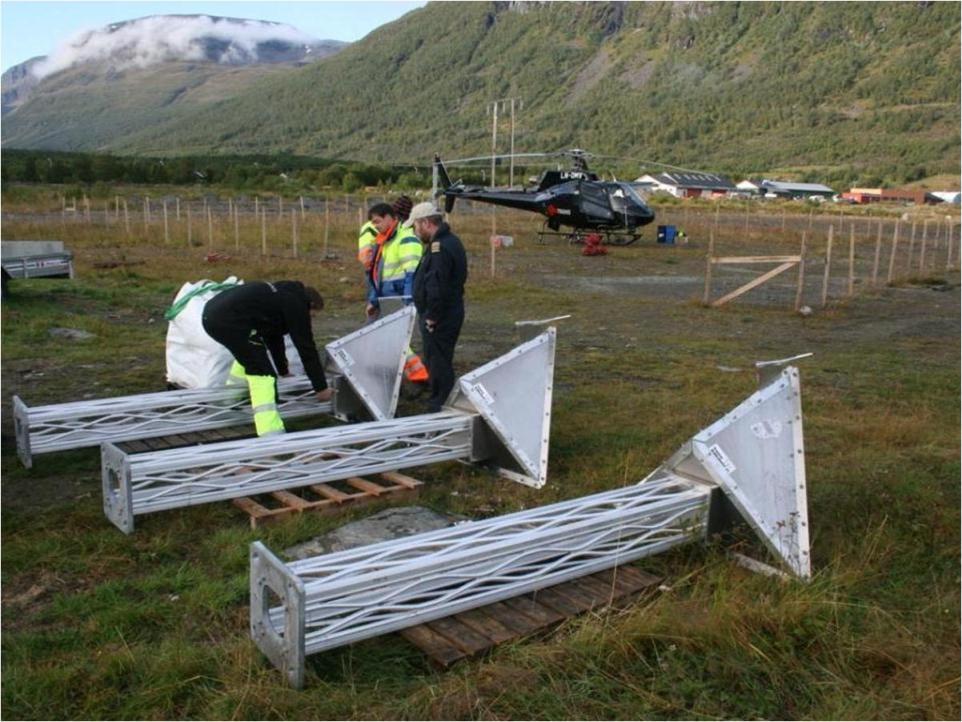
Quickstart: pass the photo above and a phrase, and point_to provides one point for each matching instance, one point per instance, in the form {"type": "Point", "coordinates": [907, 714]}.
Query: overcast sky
{"type": "Point", "coordinates": [36, 28]}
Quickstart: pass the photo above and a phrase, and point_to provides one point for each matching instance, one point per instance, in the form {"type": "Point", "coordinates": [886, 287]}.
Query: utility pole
{"type": "Point", "coordinates": [504, 103]}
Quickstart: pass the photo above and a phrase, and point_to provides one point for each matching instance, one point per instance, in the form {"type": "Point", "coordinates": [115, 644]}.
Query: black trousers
{"type": "Point", "coordinates": [250, 351]}
{"type": "Point", "coordinates": [439, 356]}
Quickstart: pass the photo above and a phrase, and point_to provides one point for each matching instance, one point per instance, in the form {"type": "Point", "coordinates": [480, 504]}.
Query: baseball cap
{"type": "Point", "coordinates": [421, 210]}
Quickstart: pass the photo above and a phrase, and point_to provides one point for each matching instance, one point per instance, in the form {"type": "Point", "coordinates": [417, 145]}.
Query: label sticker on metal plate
{"type": "Point", "coordinates": [768, 429]}
{"type": "Point", "coordinates": [483, 393]}
{"type": "Point", "coordinates": [344, 357]}
{"type": "Point", "coordinates": [715, 452]}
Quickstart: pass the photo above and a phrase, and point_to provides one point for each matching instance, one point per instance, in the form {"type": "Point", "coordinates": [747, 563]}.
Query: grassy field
{"type": "Point", "coordinates": [99, 625]}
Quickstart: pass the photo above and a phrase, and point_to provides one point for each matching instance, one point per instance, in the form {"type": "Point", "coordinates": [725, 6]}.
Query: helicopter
{"type": "Point", "coordinates": [575, 198]}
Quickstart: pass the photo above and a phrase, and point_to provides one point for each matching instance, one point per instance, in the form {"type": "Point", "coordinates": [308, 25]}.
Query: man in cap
{"type": "Point", "coordinates": [439, 296]}
{"type": "Point", "coordinates": [392, 270]}
{"type": "Point", "coordinates": [252, 320]}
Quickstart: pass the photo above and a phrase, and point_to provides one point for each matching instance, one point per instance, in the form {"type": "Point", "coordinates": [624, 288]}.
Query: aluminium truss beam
{"type": "Point", "coordinates": [315, 604]}
{"type": "Point", "coordinates": [363, 367]}
{"type": "Point", "coordinates": [508, 427]}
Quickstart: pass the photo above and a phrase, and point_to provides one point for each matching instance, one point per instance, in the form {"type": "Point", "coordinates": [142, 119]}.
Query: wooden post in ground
{"type": "Point", "coordinates": [908, 266]}
{"type": "Point", "coordinates": [708, 258]}
{"type": "Point", "coordinates": [256, 208]}
{"type": "Point", "coordinates": [303, 212]}
{"type": "Point", "coordinates": [327, 224]}
{"type": "Point", "coordinates": [851, 260]}
{"type": "Point", "coordinates": [107, 213]}
{"type": "Point", "coordinates": [210, 228]}
{"type": "Point", "coordinates": [166, 229]}
{"type": "Point", "coordinates": [116, 207]}
{"type": "Point", "coordinates": [828, 265]}
{"type": "Point", "coordinates": [87, 208]}
{"type": "Point", "coordinates": [895, 246]}
{"type": "Point", "coordinates": [236, 214]}
{"type": "Point", "coordinates": [147, 208]}
{"type": "Point", "coordinates": [230, 207]}
{"type": "Point", "coordinates": [494, 230]}
{"type": "Point", "coordinates": [294, 234]}
{"type": "Point", "coordinates": [264, 232]}
{"type": "Point", "coordinates": [949, 232]}
{"type": "Point", "coordinates": [177, 199]}
{"type": "Point", "coordinates": [811, 218]}
{"type": "Point", "coordinates": [925, 238]}
{"type": "Point", "coordinates": [801, 272]}
{"type": "Point", "coordinates": [126, 218]}
{"type": "Point", "coordinates": [878, 252]}
{"type": "Point", "coordinates": [190, 230]}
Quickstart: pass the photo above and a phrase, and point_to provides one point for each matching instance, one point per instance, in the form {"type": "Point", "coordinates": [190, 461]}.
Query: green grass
{"type": "Point", "coordinates": [101, 625]}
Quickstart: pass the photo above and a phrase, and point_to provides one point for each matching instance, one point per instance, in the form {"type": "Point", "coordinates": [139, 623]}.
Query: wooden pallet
{"type": "Point", "coordinates": [469, 634]}
{"type": "Point", "coordinates": [173, 441]}
{"type": "Point", "coordinates": [332, 497]}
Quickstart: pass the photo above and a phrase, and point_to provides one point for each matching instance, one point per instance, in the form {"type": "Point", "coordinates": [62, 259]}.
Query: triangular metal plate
{"type": "Point", "coordinates": [756, 455]}
{"type": "Point", "coordinates": [513, 396]}
{"type": "Point", "coordinates": [371, 360]}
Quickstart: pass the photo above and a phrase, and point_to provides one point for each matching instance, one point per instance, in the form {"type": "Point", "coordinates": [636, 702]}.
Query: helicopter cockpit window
{"type": "Point", "coordinates": [617, 197]}
{"type": "Point", "coordinates": [633, 194]}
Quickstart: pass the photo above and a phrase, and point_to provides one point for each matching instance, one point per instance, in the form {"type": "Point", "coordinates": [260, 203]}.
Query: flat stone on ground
{"type": "Point", "coordinates": [388, 524]}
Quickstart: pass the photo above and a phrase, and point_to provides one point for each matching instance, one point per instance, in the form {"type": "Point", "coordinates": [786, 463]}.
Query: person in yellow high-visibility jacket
{"type": "Point", "coordinates": [398, 252]}
{"type": "Point", "coordinates": [366, 238]}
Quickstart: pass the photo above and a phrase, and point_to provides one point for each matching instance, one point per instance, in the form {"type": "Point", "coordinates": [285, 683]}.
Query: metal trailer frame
{"type": "Point", "coordinates": [753, 456]}
{"type": "Point", "coordinates": [499, 413]}
{"type": "Point", "coordinates": [364, 367]}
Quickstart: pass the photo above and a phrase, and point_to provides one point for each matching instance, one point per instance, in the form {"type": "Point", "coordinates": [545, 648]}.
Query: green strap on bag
{"type": "Point", "coordinates": [171, 313]}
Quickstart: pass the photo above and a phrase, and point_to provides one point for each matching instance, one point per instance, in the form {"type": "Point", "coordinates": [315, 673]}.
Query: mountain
{"type": "Point", "coordinates": [104, 82]}
{"type": "Point", "coordinates": [819, 90]}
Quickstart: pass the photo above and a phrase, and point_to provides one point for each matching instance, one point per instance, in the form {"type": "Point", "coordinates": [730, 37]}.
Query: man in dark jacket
{"type": "Point", "coordinates": [438, 297]}
{"type": "Point", "coordinates": [251, 320]}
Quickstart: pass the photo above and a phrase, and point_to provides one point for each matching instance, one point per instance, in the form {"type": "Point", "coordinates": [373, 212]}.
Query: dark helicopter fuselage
{"type": "Point", "coordinates": [576, 199]}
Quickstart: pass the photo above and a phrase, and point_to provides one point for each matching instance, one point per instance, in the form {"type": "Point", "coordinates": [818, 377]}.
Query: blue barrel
{"type": "Point", "coordinates": [666, 234]}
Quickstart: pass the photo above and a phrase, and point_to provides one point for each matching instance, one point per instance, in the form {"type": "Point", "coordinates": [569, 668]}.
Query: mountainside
{"type": "Point", "coordinates": [104, 83]}
{"type": "Point", "coordinates": [815, 88]}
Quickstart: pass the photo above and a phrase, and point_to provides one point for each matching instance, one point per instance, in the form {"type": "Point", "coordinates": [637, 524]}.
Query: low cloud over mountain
{"type": "Point", "coordinates": [162, 38]}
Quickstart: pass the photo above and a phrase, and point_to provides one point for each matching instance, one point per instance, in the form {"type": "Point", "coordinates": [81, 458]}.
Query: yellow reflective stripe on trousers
{"type": "Point", "coordinates": [236, 376]}
{"type": "Point", "coordinates": [267, 420]}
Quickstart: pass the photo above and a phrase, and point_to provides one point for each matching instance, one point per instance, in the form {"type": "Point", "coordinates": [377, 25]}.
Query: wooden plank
{"type": "Point", "coordinates": [460, 635]}
{"type": "Point", "coordinates": [637, 578]}
{"type": "Point", "coordinates": [402, 479]}
{"type": "Point", "coordinates": [755, 259]}
{"type": "Point", "coordinates": [594, 593]}
{"type": "Point", "coordinates": [486, 625]}
{"type": "Point", "coordinates": [441, 651]}
{"type": "Point", "coordinates": [365, 486]}
{"type": "Point", "coordinates": [134, 446]}
{"type": "Point", "coordinates": [550, 597]}
{"type": "Point", "coordinates": [329, 492]}
{"type": "Point", "coordinates": [752, 284]}
{"type": "Point", "coordinates": [878, 254]}
{"type": "Point", "coordinates": [291, 500]}
{"type": "Point", "coordinates": [828, 264]}
{"type": "Point", "coordinates": [510, 618]}
{"type": "Point", "coordinates": [537, 612]}
{"type": "Point", "coordinates": [251, 507]}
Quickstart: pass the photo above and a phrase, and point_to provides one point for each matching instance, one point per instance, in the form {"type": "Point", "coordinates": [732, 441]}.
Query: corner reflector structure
{"type": "Point", "coordinates": [753, 456]}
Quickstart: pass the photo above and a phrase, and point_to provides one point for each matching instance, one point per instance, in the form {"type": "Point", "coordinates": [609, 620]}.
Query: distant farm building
{"type": "Point", "coordinates": [788, 189]}
{"type": "Point", "coordinates": [750, 187]}
{"type": "Point", "coordinates": [891, 195]}
{"type": "Point", "coordinates": [948, 196]}
{"type": "Point", "coordinates": [688, 185]}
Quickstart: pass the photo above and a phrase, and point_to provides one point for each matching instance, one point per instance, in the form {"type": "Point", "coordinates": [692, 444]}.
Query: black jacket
{"type": "Point", "coordinates": [272, 310]}
{"type": "Point", "coordinates": [441, 275]}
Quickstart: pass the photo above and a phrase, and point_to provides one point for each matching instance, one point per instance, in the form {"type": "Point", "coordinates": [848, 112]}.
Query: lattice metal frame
{"type": "Point", "coordinates": [344, 597]}
{"type": "Point", "coordinates": [82, 424]}
{"type": "Point", "coordinates": [143, 483]}
{"type": "Point", "coordinates": [341, 598]}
